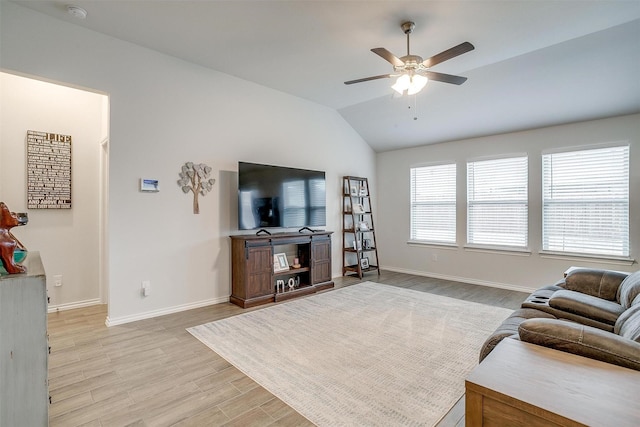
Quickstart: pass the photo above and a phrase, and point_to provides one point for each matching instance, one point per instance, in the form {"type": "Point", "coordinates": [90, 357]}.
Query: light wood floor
{"type": "Point", "coordinates": [154, 373]}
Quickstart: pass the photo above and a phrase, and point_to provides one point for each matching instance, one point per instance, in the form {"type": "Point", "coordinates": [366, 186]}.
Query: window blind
{"type": "Point", "coordinates": [586, 201]}
{"type": "Point", "coordinates": [497, 202]}
{"type": "Point", "coordinates": [433, 203]}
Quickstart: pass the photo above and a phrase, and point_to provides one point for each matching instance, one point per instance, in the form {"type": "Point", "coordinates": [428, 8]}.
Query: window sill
{"type": "Point", "coordinates": [604, 259]}
{"type": "Point", "coordinates": [502, 250]}
{"type": "Point", "coordinates": [441, 245]}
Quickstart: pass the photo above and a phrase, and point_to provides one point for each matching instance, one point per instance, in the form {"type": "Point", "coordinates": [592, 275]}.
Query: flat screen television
{"type": "Point", "coordinates": [276, 196]}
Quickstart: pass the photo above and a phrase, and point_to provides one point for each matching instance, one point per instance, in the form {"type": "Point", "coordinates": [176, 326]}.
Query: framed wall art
{"type": "Point", "coordinates": [48, 170]}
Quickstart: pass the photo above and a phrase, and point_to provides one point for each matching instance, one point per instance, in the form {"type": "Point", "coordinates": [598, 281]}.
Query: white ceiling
{"type": "Point", "coordinates": [536, 63]}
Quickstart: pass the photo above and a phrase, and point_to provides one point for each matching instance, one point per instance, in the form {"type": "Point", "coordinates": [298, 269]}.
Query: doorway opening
{"type": "Point", "coordinates": [73, 243]}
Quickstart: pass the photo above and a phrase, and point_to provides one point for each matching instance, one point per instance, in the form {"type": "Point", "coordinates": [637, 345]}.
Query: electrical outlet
{"type": "Point", "coordinates": [434, 257]}
{"type": "Point", "coordinates": [146, 288]}
{"type": "Point", "coordinates": [57, 280]}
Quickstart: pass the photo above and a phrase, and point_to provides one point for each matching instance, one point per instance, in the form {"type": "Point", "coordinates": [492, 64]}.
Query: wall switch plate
{"type": "Point", "coordinates": [57, 280]}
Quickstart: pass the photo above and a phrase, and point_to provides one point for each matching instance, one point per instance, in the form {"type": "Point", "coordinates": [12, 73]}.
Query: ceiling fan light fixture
{"type": "Point", "coordinates": [402, 84]}
{"type": "Point", "coordinates": [411, 68]}
{"type": "Point", "coordinates": [412, 84]}
{"type": "Point", "coordinates": [418, 83]}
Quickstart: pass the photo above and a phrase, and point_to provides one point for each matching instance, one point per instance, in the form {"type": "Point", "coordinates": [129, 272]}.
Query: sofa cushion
{"type": "Point", "coordinates": [629, 289]}
{"type": "Point", "coordinates": [581, 340]}
{"type": "Point", "coordinates": [628, 324]}
{"type": "Point", "coordinates": [598, 283]}
{"type": "Point", "coordinates": [587, 306]}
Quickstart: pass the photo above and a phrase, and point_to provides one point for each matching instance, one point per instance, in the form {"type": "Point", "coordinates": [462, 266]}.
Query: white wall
{"type": "Point", "coordinates": [165, 112]}
{"type": "Point", "coordinates": [67, 239]}
{"type": "Point", "coordinates": [496, 269]}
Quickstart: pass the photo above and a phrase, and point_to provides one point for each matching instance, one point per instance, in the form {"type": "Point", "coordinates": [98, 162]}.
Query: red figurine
{"type": "Point", "coordinates": [8, 242]}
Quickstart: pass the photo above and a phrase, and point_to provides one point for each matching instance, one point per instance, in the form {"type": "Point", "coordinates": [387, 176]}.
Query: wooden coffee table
{"type": "Point", "coordinates": [522, 384]}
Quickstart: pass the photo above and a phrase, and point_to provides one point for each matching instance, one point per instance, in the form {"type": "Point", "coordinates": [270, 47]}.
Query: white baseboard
{"type": "Point", "coordinates": [163, 311]}
{"type": "Point", "coordinates": [468, 280]}
{"type": "Point", "coordinates": [72, 305]}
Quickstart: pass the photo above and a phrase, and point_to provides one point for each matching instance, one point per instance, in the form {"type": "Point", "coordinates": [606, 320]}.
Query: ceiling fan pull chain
{"type": "Point", "coordinates": [413, 110]}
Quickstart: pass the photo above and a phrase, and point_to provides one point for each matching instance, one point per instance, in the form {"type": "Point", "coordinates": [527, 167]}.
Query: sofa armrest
{"type": "Point", "coordinates": [586, 306]}
{"type": "Point", "coordinates": [509, 328]}
{"type": "Point", "coordinates": [581, 340]}
{"type": "Point", "coordinates": [595, 282]}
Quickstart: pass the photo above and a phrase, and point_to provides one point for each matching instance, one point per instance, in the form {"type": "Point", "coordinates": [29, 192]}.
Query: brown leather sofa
{"type": "Point", "coordinates": [591, 312]}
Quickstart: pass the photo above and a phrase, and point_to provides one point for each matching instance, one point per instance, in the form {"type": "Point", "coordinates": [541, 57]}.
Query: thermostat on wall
{"type": "Point", "coordinates": [148, 185]}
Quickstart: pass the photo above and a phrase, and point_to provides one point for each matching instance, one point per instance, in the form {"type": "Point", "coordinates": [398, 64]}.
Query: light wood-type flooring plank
{"type": "Point", "coordinates": [154, 373]}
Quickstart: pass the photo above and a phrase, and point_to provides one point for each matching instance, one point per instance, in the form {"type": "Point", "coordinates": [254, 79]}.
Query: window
{"type": "Point", "coordinates": [585, 201]}
{"type": "Point", "coordinates": [433, 203]}
{"type": "Point", "coordinates": [497, 204]}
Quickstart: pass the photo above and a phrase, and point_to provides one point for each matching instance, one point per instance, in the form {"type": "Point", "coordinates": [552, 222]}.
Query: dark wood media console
{"type": "Point", "coordinates": [253, 280]}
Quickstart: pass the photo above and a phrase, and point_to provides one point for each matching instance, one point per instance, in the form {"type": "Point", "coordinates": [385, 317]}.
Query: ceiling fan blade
{"type": "Point", "coordinates": [448, 54]}
{"type": "Point", "coordinates": [390, 57]}
{"type": "Point", "coordinates": [446, 78]}
{"type": "Point", "coordinates": [366, 79]}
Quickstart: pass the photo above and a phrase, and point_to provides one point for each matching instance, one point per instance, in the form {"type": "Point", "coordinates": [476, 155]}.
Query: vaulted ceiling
{"type": "Point", "coordinates": [535, 63]}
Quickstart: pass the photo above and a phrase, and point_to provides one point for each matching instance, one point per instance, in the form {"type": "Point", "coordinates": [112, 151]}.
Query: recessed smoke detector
{"type": "Point", "coordinates": [76, 12]}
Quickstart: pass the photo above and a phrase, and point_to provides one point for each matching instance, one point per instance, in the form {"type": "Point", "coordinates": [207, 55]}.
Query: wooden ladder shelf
{"type": "Point", "coordinates": [359, 248]}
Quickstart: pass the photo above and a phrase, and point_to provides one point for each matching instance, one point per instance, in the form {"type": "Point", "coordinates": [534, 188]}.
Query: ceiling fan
{"type": "Point", "coordinates": [412, 71]}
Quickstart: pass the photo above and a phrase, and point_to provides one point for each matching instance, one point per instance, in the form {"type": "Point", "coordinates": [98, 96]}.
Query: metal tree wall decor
{"type": "Point", "coordinates": [195, 178]}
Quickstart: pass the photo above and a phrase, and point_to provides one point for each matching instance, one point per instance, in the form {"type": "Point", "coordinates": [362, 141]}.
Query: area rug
{"type": "Point", "coordinates": [364, 355]}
